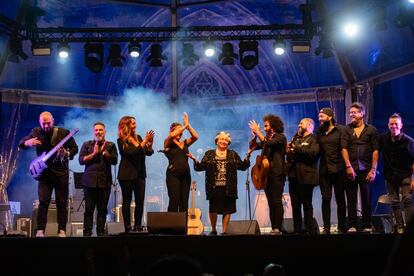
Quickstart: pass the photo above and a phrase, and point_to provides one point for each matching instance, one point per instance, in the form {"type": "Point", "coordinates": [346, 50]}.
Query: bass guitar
{"type": "Point", "coordinates": [260, 171]}
{"type": "Point", "coordinates": [38, 165]}
{"type": "Point", "coordinates": [194, 224]}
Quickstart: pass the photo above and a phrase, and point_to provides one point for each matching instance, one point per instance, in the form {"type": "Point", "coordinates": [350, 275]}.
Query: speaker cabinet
{"type": "Point", "coordinates": [243, 227]}
{"type": "Point", "coordinates": [173, 223]}
{"type": "Point", "coordinates": [382, 224]}
{"type": "Point", "coordinates": [52, 225]}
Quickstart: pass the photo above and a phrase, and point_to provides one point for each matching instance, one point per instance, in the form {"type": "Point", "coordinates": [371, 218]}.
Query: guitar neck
{"type": "Point", "coordinates": [59, 145]}
{"type": "Point", "coordinates": [193, 200]}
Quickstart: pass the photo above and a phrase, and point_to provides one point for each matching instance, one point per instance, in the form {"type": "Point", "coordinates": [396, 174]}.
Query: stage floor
{"type": "Point", "coordinates": [352, 254]}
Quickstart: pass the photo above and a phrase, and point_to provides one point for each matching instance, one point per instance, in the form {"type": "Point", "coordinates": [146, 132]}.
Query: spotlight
{"type": "Point", "coordinates": [300, 46]}
{"type": "Point", "coordinates": [351, 29]}
{"type": "Point", "coordinates": [411, 1]}
{"type": "Point", "coordinates": [94, 57]}
{"type": "Point", "coordinates": [209, 49]}
{"type": "Point", "coordinates": [227, 55]}
{"type": "Point", "coordinates": [63, 50]}
{"type": "Point", "coordinates": [279, 46]}
{"type": "Point", "coordinates": [248, 54]}
{"type": "Point", "coordinates": [115, 59]}
{"type": "Point", "coordinates": [325, 46]}
{"type": "Point", "coordinates": [16, 50]}
{"type": "Point", "coordinates": [156, 57]}
{"type": "Point", "coordinates": [188, 56]}
{"type": "Point", "coordinates": [134, 49]}
{"type": "Point", "coordinates": [41, 49]}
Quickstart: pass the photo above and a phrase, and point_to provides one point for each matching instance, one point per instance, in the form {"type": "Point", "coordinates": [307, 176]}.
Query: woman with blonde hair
{"type": "Point", "coordinates": [178, 171]}
{"type": "Point", "coordinates": [132, 171]}
{"type": "Point", "coordinates": [221, 165]}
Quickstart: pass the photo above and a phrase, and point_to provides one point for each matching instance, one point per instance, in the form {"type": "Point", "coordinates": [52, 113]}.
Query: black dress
{"type": "Point", "coordinates": [178, 178]}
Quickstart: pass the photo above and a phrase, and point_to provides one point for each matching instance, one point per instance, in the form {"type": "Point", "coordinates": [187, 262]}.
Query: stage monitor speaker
{"type": "Point", "coordinates": [243, 227]}
{"type": "Point", "coordinates": [382, 224]}
{"type": "Point", "coordinates": [288, 226]}
{"type": "Point", "coordinates": [24, 226]}
{"type": "Point", "coordinates": [173, 223]}
{"type": "Point", "coordinates": [115, 228]}
{"type": "Point", "coordinates": [52, 225]}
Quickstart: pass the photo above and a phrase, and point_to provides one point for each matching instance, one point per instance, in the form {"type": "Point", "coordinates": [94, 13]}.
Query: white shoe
{"type": "Point", "coordinates": [367, 230]}
{"type": "Point", "coordinates": [352, 230]}
{"type": "Point", "coordinates": [40, 234]}
{"type": "Point", "coordinates": [275, 232]}
{"type": "Point", "coordinates": [61, 234]}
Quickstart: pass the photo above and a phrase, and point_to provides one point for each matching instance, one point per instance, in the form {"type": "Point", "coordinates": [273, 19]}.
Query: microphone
{"type": "Point", "coordinates": [161, 151]}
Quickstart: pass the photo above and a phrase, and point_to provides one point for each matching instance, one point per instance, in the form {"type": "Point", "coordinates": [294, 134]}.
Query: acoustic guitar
{"type": "Point", "coordinates": [194, 224]}
{"type": "Point", "coordinates": [38, 165]}
{"type": "Point", "coordinates": [260, 171]}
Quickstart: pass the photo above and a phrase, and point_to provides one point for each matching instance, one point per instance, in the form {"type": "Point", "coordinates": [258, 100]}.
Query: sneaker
{"type": "Point", "coordinates": [367, 230]}
{"type": "Point", "coordinates": [213, 233]}
{"type": "Point", "coordinates": [275, 232]}
{"type": "Point", "coordinates": [326, 231]}
{"type": "Point", "coordinates": [40, 233]}
{"type": "Point", "coordinates": [352, 230]}
{"type": "Point", "coordinates": [400, 230]}
{"type": "Point", "coordinates": [61, 234]}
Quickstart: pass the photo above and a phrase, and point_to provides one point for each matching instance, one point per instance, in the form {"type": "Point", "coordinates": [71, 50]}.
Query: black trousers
{"type": "Point", "coordinates": [136, 186]}
{"type": "Point", "coordinates": [46, 185]}
{"type": "Point", "coordinates": [274, 193]}
{"type": "Point", "coordinates": [352, 199]}
{"type": "Point", "coordinates": [301, 195]}
{"type": "Point", "coordinates": [338, 181]}
{"type": "Point", "coordinates": [95, 198]}
{"type": "Point", "coordinates": [178, 186]}
{"type": "Point", "coordinates": [394, 187]}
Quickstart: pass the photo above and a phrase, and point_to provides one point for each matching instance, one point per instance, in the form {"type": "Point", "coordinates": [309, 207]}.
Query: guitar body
{"type": "Point", "coordinates": [260, 171]}
{"type": "Point", "coordinates": [37, 166]}
{"type": "Point", "coordinates": [194, 224]}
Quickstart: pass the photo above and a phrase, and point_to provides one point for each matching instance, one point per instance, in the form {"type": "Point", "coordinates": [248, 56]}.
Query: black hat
{"type": "Point", "coordinates": [327, 111]}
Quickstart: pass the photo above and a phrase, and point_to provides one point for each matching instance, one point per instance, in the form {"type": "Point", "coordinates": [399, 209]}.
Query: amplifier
{"type": "Point", "coordinates": [24, 226]}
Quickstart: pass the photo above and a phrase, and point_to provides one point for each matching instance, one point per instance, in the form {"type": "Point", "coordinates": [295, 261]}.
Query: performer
{"type": "Point", "coordinates": [274, 146]}
{"type": "Point", "coordinates": [397, 150]}
{"type": "Point", "coordinates": [178, 171]}
{"type": "Point", "coordinates": [132, 171]}
{"type": "Point", "coordinates": [360, 152]}
{"type": "Point", "coordinates": [221, 167]}
{"type": "Point", "coordinates": [303, 152]}
{"type": "Point", "coordinates": [56, 176]}
{"type": "Point", "coordinates": [97, 155]}
{"type": "Point", "coordinates": [331, 169]}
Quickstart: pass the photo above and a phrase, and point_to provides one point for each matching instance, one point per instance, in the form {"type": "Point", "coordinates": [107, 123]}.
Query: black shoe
{"type": "Point", "coordinates": [326, 231]}
{"type": "Point", "coordinates": [213, 233]}
{"type": "Point", "coordinates": [224, 233]}
{"type": "Point", "coordinates": [128, 229]}
{"type": "Point", "coordinates": [87, 234]}
{"type": "Point", "coordinates": [137, 228]}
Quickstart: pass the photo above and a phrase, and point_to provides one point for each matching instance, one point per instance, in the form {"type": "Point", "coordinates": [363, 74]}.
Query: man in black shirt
{"type": "Point", "coordinates": [97, 155]}
{"type": "Point", "coordinates": [56, 175]}
{"type": "Point", "coordinates": [398, 155]}
{"type": "Point", "coordinates": [360, 151]}
{"type": "Point", "coordinates": [331, 169]}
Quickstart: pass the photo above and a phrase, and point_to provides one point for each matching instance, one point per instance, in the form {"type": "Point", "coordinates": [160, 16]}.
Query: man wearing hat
{"type": "Point", "coordinates": [331, 169]}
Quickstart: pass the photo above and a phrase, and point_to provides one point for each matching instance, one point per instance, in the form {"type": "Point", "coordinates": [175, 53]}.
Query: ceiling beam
{"type": "Point", "coordinates": [391, 75]}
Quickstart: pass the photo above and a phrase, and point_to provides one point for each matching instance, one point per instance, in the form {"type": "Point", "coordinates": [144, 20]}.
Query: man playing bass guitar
{"type": "Point", "coordinates": [56, 174]}
{"type": "Point", "coordinates": [273, 144]}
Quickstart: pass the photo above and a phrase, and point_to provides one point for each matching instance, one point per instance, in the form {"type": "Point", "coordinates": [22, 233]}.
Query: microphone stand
{"type": "Point", "coordinates": [248, 194]}
{"type": "Point", "coordinates": [115, 195]}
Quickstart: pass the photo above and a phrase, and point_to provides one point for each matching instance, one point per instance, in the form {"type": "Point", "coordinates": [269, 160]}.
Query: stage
{"type": "Point", "coordinates": [351, 254]}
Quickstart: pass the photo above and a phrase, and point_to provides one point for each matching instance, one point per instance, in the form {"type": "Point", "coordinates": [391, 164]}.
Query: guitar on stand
{"type": "Point", "coordinates": [38, 165]}
{"type": "Point", "coordinates": [194, 224]}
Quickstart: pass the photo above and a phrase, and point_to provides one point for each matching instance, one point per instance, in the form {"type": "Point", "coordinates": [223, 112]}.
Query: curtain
{"type": "Point", "coordinates": [8, 153]}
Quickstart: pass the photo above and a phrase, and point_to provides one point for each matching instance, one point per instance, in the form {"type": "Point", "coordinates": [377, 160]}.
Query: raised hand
{"type": "Point", "coordinates": [185, 120]}
{"type": "Point", "coordinates": [32, 142]}
{"type": "Point", "coordinates": [95, 148]}
{"type": "Point", "coordinates": [255, 127]}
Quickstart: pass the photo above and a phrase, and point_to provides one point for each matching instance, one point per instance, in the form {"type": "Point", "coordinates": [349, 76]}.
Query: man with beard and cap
{"type": "Point", "coordinates": [303, 154]}
{"type": "Point", "coordinates": [97, 155]}
{"type": "Point", "coordinates": [56, 175]}
{"type": "Point", "coordinates": [331, 169]}
{"type": "Point", "coordinates": [397, 150]}
{"type": "Point", "coordinates": [360, 151]}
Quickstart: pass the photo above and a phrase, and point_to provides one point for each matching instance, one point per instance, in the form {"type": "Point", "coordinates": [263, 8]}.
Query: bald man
{"type": "Point", "coordinates": [56, 176]}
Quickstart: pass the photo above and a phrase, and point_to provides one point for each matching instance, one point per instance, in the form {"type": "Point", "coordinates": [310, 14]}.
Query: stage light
{"type": "Point", "coordinates": [63, 50]}
{"type": "Point", "coordinates": [94, 57]}
{"type": "Point", "coordinates": [41, 49]}
{"type": "Point", "coordinates": [16, 50]}
{"type": "Point", "coordinates": [279, 46]}
{"type": "Point", "coordinates": [209, 49]}
{"type": "Point", "coordinates": [300, 46]}
{"type": "Point", "coordinates": [156, 57]}
{"type": "Point", "coordinates": [325, 46]}
{"type": "Point", "coordinates": [248, 54]}
{"type": "Point", "coordinates": [115, 59]}
{"type": "Point", "coordinates": [411, 1]}
{"type": "Point", "coordinates": [227, 55]}
{"type": "Point", "coordinates": [351, 29]}
{"type": "Point", "coordinates": [188, 56]}
{"type": "Point", "coordinates": [134, 49]}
